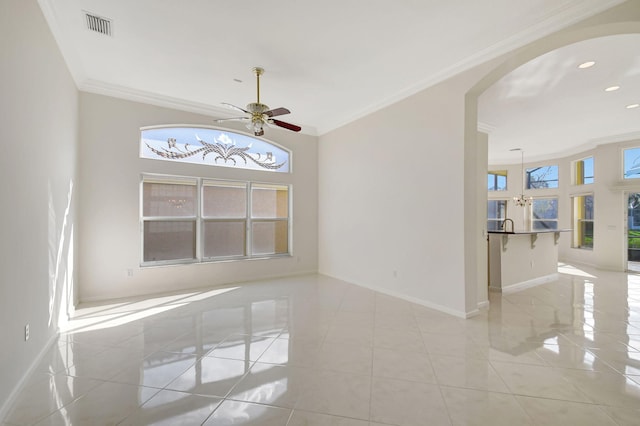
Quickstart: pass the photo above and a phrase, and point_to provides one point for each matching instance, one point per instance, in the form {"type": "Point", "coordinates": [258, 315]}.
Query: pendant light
{"type": "Point", "coordinates": [522, 200]}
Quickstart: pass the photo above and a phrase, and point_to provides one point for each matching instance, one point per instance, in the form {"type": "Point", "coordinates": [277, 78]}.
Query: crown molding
{"type": "Point", "coordinates": [576, 150]}
{"type": "Point", "coordinates": [623, 137]}
{"type": "Point", "coordinates": [136, 95]}
{"type": "Point", "coordinates": [486, 127]}
{"type": "Point", "coordinates": [557, 20]}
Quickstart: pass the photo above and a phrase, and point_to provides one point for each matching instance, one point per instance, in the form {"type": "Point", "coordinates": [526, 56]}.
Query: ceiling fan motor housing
{"type": "Point", "coordinates": [257, 108]}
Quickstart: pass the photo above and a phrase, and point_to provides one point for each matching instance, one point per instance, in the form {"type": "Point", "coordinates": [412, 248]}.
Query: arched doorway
{"type": "Point", "coordinates": [624, 19]}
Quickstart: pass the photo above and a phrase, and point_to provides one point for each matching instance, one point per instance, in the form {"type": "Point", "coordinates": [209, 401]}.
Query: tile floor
{"type": "Point", "coordinates": [317, 351]}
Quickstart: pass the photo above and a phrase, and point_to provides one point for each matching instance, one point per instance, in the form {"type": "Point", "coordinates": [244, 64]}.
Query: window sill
{"type": "Point", "coordinates": [157, 264]}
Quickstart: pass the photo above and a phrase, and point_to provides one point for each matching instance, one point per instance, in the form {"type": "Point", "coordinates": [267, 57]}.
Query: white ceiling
{"type": "Point", "coordinates": [334, 61]}
{"type": "Point", "coordinates": [550, 107]}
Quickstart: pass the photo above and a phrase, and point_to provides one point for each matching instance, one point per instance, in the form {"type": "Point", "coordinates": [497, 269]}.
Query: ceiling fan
{"type": "Point", "coordinates": [259, 115]}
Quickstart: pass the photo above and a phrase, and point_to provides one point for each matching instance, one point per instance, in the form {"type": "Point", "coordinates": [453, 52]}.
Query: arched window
{"type": "Point", "coordinates": [215, 147]}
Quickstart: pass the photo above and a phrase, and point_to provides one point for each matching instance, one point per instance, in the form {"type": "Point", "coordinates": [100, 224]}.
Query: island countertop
{"type": "Point", "coordinates": [540, 231]}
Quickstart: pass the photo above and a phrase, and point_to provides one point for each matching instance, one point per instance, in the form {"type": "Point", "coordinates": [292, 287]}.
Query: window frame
{"type": "Point", "coordinates": [497, 219]}
{"type": "Point", "coordinates": [263, 219]}
{"type": "Point", "coordinates": [204, 219]}
{"type": "Point", "coordinates": [201, 219]}
{"type": "Point", "coordinates": [624, 163]}
{"type": "Point", "coordinates": [579, 209]}
{"type": "Point", "coordinates": [144, 219]}
{"type": "Point", "coordinates": [496, 175]}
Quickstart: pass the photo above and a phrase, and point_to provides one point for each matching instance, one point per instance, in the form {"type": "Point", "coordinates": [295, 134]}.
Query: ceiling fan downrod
{"type": "Point", "coordinates": [258, 72]}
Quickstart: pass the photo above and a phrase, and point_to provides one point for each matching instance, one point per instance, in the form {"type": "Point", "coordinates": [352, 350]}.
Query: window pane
{"type": "Point", "coordinates": [497, 180]}
{"type": "Point", "coordinates": [169, 240]}
{"type": "Point", "coordinates": [222, 200]}
{"type": "Point", "coordinates": [270, 237]}
{"type": "Point", "coordinates": [496, 209]}
{"type": "Point", "coordinates": [545, 208]}
{"type": "Point", "coordinates": [586, 229]}
{"type": "Point", "coordinates": [542, 177]}
{"type": "Point", "coordinates": [540, 225]}
{"type": "Point", "coordinates": [632, 163]}
{"type": "Point", "coordinates": [544, 213]}
{"type": "Point", "coordinates": [224, 238]}
{"type": "Point", "coordinates": [270, 201]}
{"type": "Point", "coordinates": [168, 199]}
{"type": "Point", "coordinates": [588, 207]}
{"type": "Point", "coordinates": [494, 225]}
{"type": "Point", "coordinates": [587, 170]}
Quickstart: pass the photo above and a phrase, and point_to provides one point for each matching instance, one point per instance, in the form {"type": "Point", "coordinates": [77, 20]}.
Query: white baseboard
{"type": "Point", "coordinates": [529, 283]}
{"type": "Point", "coordinates": [426, 304]}
{"type": "Point", "coordinates": [483, 305]}
{"type": "Point", "coordinates": [112, 298]}
{"type": "Point", "coordinates": [6, 405]}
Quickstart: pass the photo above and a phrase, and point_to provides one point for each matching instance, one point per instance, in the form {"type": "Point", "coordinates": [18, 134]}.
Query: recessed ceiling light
{"type": "Point", "coordinates": [632, 106]}
{"type": "Point", "coordinates": [611, 88]}
{"type": "Point", "coordinates": [587, 64]}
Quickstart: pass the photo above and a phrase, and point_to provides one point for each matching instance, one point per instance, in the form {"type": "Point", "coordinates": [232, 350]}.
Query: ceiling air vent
{"type": "Point", "coordinates": [98, 24]}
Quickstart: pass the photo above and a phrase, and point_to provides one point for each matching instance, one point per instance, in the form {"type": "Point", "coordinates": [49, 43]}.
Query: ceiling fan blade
{"type": "Point", "coordinates": [286, 125]}
{"type": "Point", "coordinates": [220, 120]}
{"type": "Point", "coordinates": [235, 107]}
{"type": "Point", "coordinates": [277, 111]}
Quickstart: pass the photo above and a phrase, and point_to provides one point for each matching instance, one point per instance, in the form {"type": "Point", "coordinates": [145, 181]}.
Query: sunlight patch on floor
{"type": "Point", "coordinates": [564, 268]}
{"type": "Point", "coordinates": [112, 315]}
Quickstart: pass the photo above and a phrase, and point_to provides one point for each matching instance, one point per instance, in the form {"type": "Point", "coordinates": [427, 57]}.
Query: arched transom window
{"type": "Point", "coordinates": [215, 147]}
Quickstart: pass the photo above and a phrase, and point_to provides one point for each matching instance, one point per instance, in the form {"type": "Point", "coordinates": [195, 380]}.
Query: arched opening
{"type": "Point", "coordinates": [475, 213]}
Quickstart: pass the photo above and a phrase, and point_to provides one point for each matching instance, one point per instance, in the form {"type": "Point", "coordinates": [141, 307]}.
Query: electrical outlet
{"type": "Point", "coordinates": [26, 332]}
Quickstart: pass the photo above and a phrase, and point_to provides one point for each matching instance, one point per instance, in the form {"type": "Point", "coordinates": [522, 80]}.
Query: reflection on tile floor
{"type": "Point", "coordinates": [318, 351]}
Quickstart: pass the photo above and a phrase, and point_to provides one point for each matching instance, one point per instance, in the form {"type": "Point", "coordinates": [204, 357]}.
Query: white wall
{"type": "Point", "coordinates": [110, 170]}
{"type": "Point", "coordinates": [391, 199]}
{"type": "Point", "coordinates": [38, 134]}
{"type": "Point", "coordinates": [482, 253]}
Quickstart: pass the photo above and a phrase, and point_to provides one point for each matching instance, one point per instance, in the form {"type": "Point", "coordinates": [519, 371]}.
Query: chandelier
{"type": "Point", "coordinates": [522, 200]}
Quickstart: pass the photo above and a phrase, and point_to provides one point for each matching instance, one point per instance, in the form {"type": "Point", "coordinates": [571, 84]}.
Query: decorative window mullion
{"type": "Point", "coordinates": [199, 225]}
{"type": "Point", "coordinates": [249, 222]}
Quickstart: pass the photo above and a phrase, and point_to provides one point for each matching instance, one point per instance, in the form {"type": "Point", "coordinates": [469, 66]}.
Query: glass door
{"type": "Point", "coordinates": [633, 231]}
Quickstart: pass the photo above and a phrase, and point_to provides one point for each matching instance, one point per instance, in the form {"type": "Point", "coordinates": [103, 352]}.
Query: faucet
{"type": "Point", "coordinates": [504, 223]}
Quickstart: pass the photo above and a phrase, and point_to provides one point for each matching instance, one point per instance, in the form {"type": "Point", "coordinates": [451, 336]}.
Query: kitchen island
{"type": "Point", "coordinates": [522, 259]}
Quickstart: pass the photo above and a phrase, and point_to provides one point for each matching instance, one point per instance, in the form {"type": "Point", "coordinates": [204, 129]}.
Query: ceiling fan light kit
{"type": "Point", "coordinates": [258, 114]}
